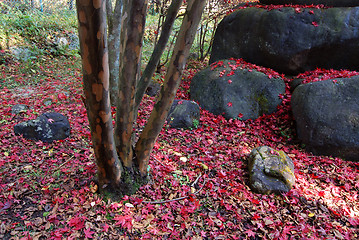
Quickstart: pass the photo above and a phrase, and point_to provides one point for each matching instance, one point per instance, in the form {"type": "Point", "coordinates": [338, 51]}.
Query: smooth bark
{"type": "Point", "coordinates": [173, 77]}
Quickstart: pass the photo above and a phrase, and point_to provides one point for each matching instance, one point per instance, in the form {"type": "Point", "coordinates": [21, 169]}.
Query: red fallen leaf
{"type": "Point", "coordinates": [250, 233]}
{"type": "Point", "coordinates": [298, 10]}
{"type": "Point", "coordinates": [315, 24]}
{"type": "Point", "coordinates": [231, 73]}
{"type": "Point", "coordinates": [88, 233]}
{"type": "Point", "coordinates": [221, 174]}
{"type": "Point", "coordinates": [314, 176]}
{"type": "Point", "coordinates": [77, 222]}
{"type": "Point", "coordinates": [229, 81]}
{"type": "Point", "coordinates": [61, 96]}
{"type": "Point", "coordinates": [256, 217]}
{"type": "Point", "coordinates": [311, 12]}
{"type": "Point", "coordinates": [229, 104]}
{"type": "Point", "coordinates": [255, 201]}
{"type": "Point", "coordinates": [124, 220]}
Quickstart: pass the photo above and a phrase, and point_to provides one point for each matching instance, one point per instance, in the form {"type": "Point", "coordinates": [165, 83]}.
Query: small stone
{"type": "Point", "coordinates": [19, 108]}
{"type": "Point", "coordinates": [184, 114]}
{"type": "Point", "coordinates": [270, 171]}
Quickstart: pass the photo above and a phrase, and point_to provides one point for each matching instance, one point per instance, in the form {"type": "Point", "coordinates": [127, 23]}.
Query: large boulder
{"type": "Point", "coordinates": [270, 171]}
{"type": "Point", "coordinates": [290, 40]}
{"type": "Point", "coordinates": [236, 92]}
{"type": "Point", "coordinates": [47, 127]}
{"type": "Point", "coordinates": [327, 116]}
{"type": "Point", "coordinates": [329, 3]}
{"type": "Point", "coordinates": [184, 114]}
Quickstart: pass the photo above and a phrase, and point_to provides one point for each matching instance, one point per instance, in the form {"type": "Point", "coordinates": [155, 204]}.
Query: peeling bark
{"type": "Point", "coordinates": [115, 159]}
{"type": "Point", "coordinates": [160, 111]}
{"type": "Point", "coordinates": [92, 33]}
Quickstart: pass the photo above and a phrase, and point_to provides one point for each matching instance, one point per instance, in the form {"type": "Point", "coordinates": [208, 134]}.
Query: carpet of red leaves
{"type": "Point", "coordinates": [198, 187]}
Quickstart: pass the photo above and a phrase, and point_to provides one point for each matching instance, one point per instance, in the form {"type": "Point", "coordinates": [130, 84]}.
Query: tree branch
{"type": "Point", "coordinates": [173, 77]}
{"type": "Point", "coordinates": [158, 50]}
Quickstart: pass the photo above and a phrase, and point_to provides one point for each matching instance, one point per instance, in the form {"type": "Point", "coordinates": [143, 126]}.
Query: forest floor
{"type": "Point", "coordinates": [199, 180]}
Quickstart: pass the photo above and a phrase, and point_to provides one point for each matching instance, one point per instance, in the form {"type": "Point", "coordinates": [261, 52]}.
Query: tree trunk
{"type": "Point", "coordinates": [158, 50]}
{"type": "Point", "coordinates": [92, 32]}
{"type": "Point", "coordinates": [131, 45]}
{"type": "Point", "coordinates": [160, 111]}
{"type": "Point", "coordinates": [114, 30]}
{"type": "Point", "coordinates": [120, 167]}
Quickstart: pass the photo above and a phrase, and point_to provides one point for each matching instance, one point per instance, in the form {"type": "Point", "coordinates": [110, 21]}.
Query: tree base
{"type": "Point", "coordinates": [131, 181]}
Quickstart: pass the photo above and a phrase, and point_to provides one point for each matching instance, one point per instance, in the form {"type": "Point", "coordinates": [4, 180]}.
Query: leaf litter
{"type": "Point", "coordinates": [198, 187]}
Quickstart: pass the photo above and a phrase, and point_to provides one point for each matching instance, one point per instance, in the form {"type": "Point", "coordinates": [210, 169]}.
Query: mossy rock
{"type": "Point", "coordinates": [270, 171]}
{"type": "Point", "coordinates": [239, 92]}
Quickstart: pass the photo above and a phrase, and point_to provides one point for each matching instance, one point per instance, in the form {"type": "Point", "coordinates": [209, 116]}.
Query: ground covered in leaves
{"type": "Point", "coordinates": [199, 179]}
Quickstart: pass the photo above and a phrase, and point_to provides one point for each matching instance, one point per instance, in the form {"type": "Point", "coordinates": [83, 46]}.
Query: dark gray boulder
{"type": "Point", "coordinates": [244, 92]}
{"type": "Point", "coordinates": [329, 3]}
{"type": "Point", "coordinates": [270, 171]}
{"type": "Point", "coordinates": [288, 41]}
{"type": "Point", "coordinates": [184, 114]}
{"type": "Point", "coordinates": [327, 116]}
{"type": "Point", "coordinates": [47, 127]}
{"type": "Point", "coordinates": [153, 89]}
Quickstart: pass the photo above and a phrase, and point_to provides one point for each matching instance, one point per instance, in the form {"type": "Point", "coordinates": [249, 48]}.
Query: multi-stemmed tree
{"type": "Point", "coordinates": [122, 163]}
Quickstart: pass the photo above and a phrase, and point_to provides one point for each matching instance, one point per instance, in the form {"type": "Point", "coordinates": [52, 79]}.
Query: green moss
{"type": "Point", "coordinates": [263, 105]}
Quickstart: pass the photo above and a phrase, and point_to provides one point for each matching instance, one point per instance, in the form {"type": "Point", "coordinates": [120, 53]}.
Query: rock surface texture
{"type": "Point", "coordinates": [327, 116]}
{"type": "Point", "coordinates": [153, 89]}
{"type": "Point", "coordinates": [289, 40]}
{"type": "Point", "coordinates": [270, 171]}
{"type": "Point", "coordinates": [329, 3]}
{"type": "Point", "coordinates": [241, 92]}
{"type": "Point", "coordinates": [19, 108]}
{"type": "Point", "coordinates": [184, 114]}
{"type": "Point", "coordinates": [47, 127]}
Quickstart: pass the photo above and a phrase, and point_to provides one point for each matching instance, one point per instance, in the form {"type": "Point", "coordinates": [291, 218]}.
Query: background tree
{"type": "Point", "coordinates": [122, 164]}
